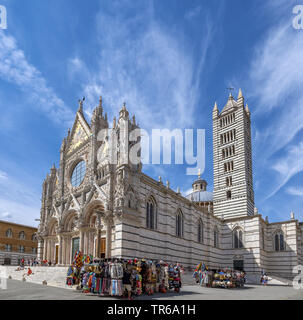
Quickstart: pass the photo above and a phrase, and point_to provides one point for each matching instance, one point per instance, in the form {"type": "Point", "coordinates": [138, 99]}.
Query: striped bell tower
{"type": "Point", "coordinates": [233, 183]}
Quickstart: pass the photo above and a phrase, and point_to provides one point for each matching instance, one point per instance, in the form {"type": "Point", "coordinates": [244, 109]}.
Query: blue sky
{"type": "Point", "coordinates": [170, 61]}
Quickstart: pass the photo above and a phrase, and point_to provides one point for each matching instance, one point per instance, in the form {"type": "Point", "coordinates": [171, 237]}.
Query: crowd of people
{"type": "Point", "coordinates": [122, 277]}
{"type": "Point", "coordinates": [29, 262]}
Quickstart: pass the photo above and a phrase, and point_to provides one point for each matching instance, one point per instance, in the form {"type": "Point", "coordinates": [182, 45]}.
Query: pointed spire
{"type": "Point", "coordinates": [134, 120]}
{"type": "Point", "coordinates": [240, 100]}
{"type": "Point", "coordinates": [292, 215]}
{"type": "Point", "coordinates": [247, 110]}
{"type": "Point", "coordinates": [53, 169]}
{"type": "Point", "coordinates": [100, 105]}
{"type": "Point", "coordinates": [105, 117]}
{"type": "Point", "coordinates": [63, 144]}
{"type": "Point", "coordinates": [123, 112]}
{"type": "Point", "coordinates": [167, 184]}
{"type": "Point", "coordinates": [114, 123]}
{"type": "Point", "coordinates": [215, 111]}
{"type": "Point", "coordinates": [80, 109]}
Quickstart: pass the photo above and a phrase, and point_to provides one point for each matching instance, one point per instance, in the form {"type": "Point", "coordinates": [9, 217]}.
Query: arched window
{"type": "Point", "coordinates": [179, 224]}
{"type": "Point", "coordinates": [22, 235]}
{"type": "Point", "coordinates": [78, 174]}
{"type": "Point", "coordinates": [21, 249]}
{"type": "Point", "coordinates": [279, 241]}
{"type": "Point", "coordinates": [238, 238]}
{"type": "Point", "coordinates": [151, 214]}
{"type": "Point", "coordinates": [9, 233]}
{"type": "Point", "coordinates": [216, 238]}
{"type": "Point", "coordinates": [34, 237]}
{"type": "Point", "coordinates": [200, 231]}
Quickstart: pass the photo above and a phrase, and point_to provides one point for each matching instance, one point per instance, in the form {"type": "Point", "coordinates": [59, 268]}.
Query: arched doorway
{"type": "Point", "coordinates": [70, 241]}
{"type": "Point", "coordinates": [52, 239]}
{"type": "Point", "coordinates": [93, 243]}
{"type": "Point", "coordinates": [7, 261]}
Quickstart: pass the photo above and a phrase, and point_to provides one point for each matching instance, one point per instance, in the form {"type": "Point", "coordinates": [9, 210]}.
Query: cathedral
{"type": "Point", "coordinates": [113, 210]}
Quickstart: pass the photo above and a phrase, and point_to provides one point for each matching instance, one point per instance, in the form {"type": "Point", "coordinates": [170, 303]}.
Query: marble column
{"type": "Point", "coordinates": [54, 250]}
{"type": "Point", "coordinates": [40, 249]}
{"type": "Point", "coordinates": [108, 239]}
{"type": "Point", "coordinates": [92, 243]}
{"type": "Point", "coordinates": [63, 251]}
{"type": "Point", "coordinates": [68, 253]}
{"type": "Point", "coordinates": [51, 245]}
{"type": "Point", "coordinates": [85, 242]}
{"type": "Point", "coordinates": [89, 242]}
{"type": "Point", "coordinates": [60, 251]}
{"type": "Point", "coordinates": [97, 243]}
{"type": "Point", "coordinates": [44, 249]}
{"type": "Point", "coordinates": [48, 250]}
{"type": "Point", "coordinates": [81, 245]}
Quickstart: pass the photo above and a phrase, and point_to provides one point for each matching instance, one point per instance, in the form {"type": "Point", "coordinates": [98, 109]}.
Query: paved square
{"type": "Point", "coordinates": [18, 290]}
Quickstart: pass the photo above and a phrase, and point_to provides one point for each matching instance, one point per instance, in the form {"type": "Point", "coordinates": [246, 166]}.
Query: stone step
{"type": "Point", "coordinates": [54, 276]}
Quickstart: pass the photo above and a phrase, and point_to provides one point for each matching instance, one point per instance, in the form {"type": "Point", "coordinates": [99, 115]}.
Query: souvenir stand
{"type": "Point", "coordinates": [73, 273]}
{"type": "Point", "coordinates": [203, 275]}
{"type": "Point", "coordinates": [218, 279]}
{"type": "Point", "coordinates": [105, 277]}
{"type": "Point", "coordinates": [228, 279]}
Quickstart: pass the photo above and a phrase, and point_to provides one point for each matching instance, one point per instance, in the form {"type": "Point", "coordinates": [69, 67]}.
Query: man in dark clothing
{"type": "Point", "coordinates": [127, 283]}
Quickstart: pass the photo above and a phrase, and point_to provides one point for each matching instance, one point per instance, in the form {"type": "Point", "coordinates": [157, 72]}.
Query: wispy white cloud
{"type": "Point", "coordinates": [193, 13]}
{"type": "Point", "coordinates": [77, 67]}
{"type": "Point", "coordinates": [152, 70]}
{"type": "Point", "coordinates": [3, 175]}
{"type": "Point", "coordinates": [15, 68]}
{"type": "Point", "coordinates": [6, 215]}
{"type": "Point", "coordinates": [276, 75]}
{"type": "Point", "coordinates": [295, 191]}
{"type": "Point", "coordinates": [289, 165]}
{"type": "Point", "coordinates": [19, 212]}
{"type": "Point", "coordinates": [275, 82]}
{"type": "Point", "coordinates": [18, 201]}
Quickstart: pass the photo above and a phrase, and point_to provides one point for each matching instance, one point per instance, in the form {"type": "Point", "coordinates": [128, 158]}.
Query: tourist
{"type": "Point", "coordinates": [29, 271]}
{"type": "Point", "coordinates": [265, 279]}
{"type": "Point", "coordinates": [127, 286]}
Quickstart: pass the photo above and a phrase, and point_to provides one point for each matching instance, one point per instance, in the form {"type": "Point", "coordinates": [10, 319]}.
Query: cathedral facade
{"type": "Point", "coordinates": [113, 210]}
